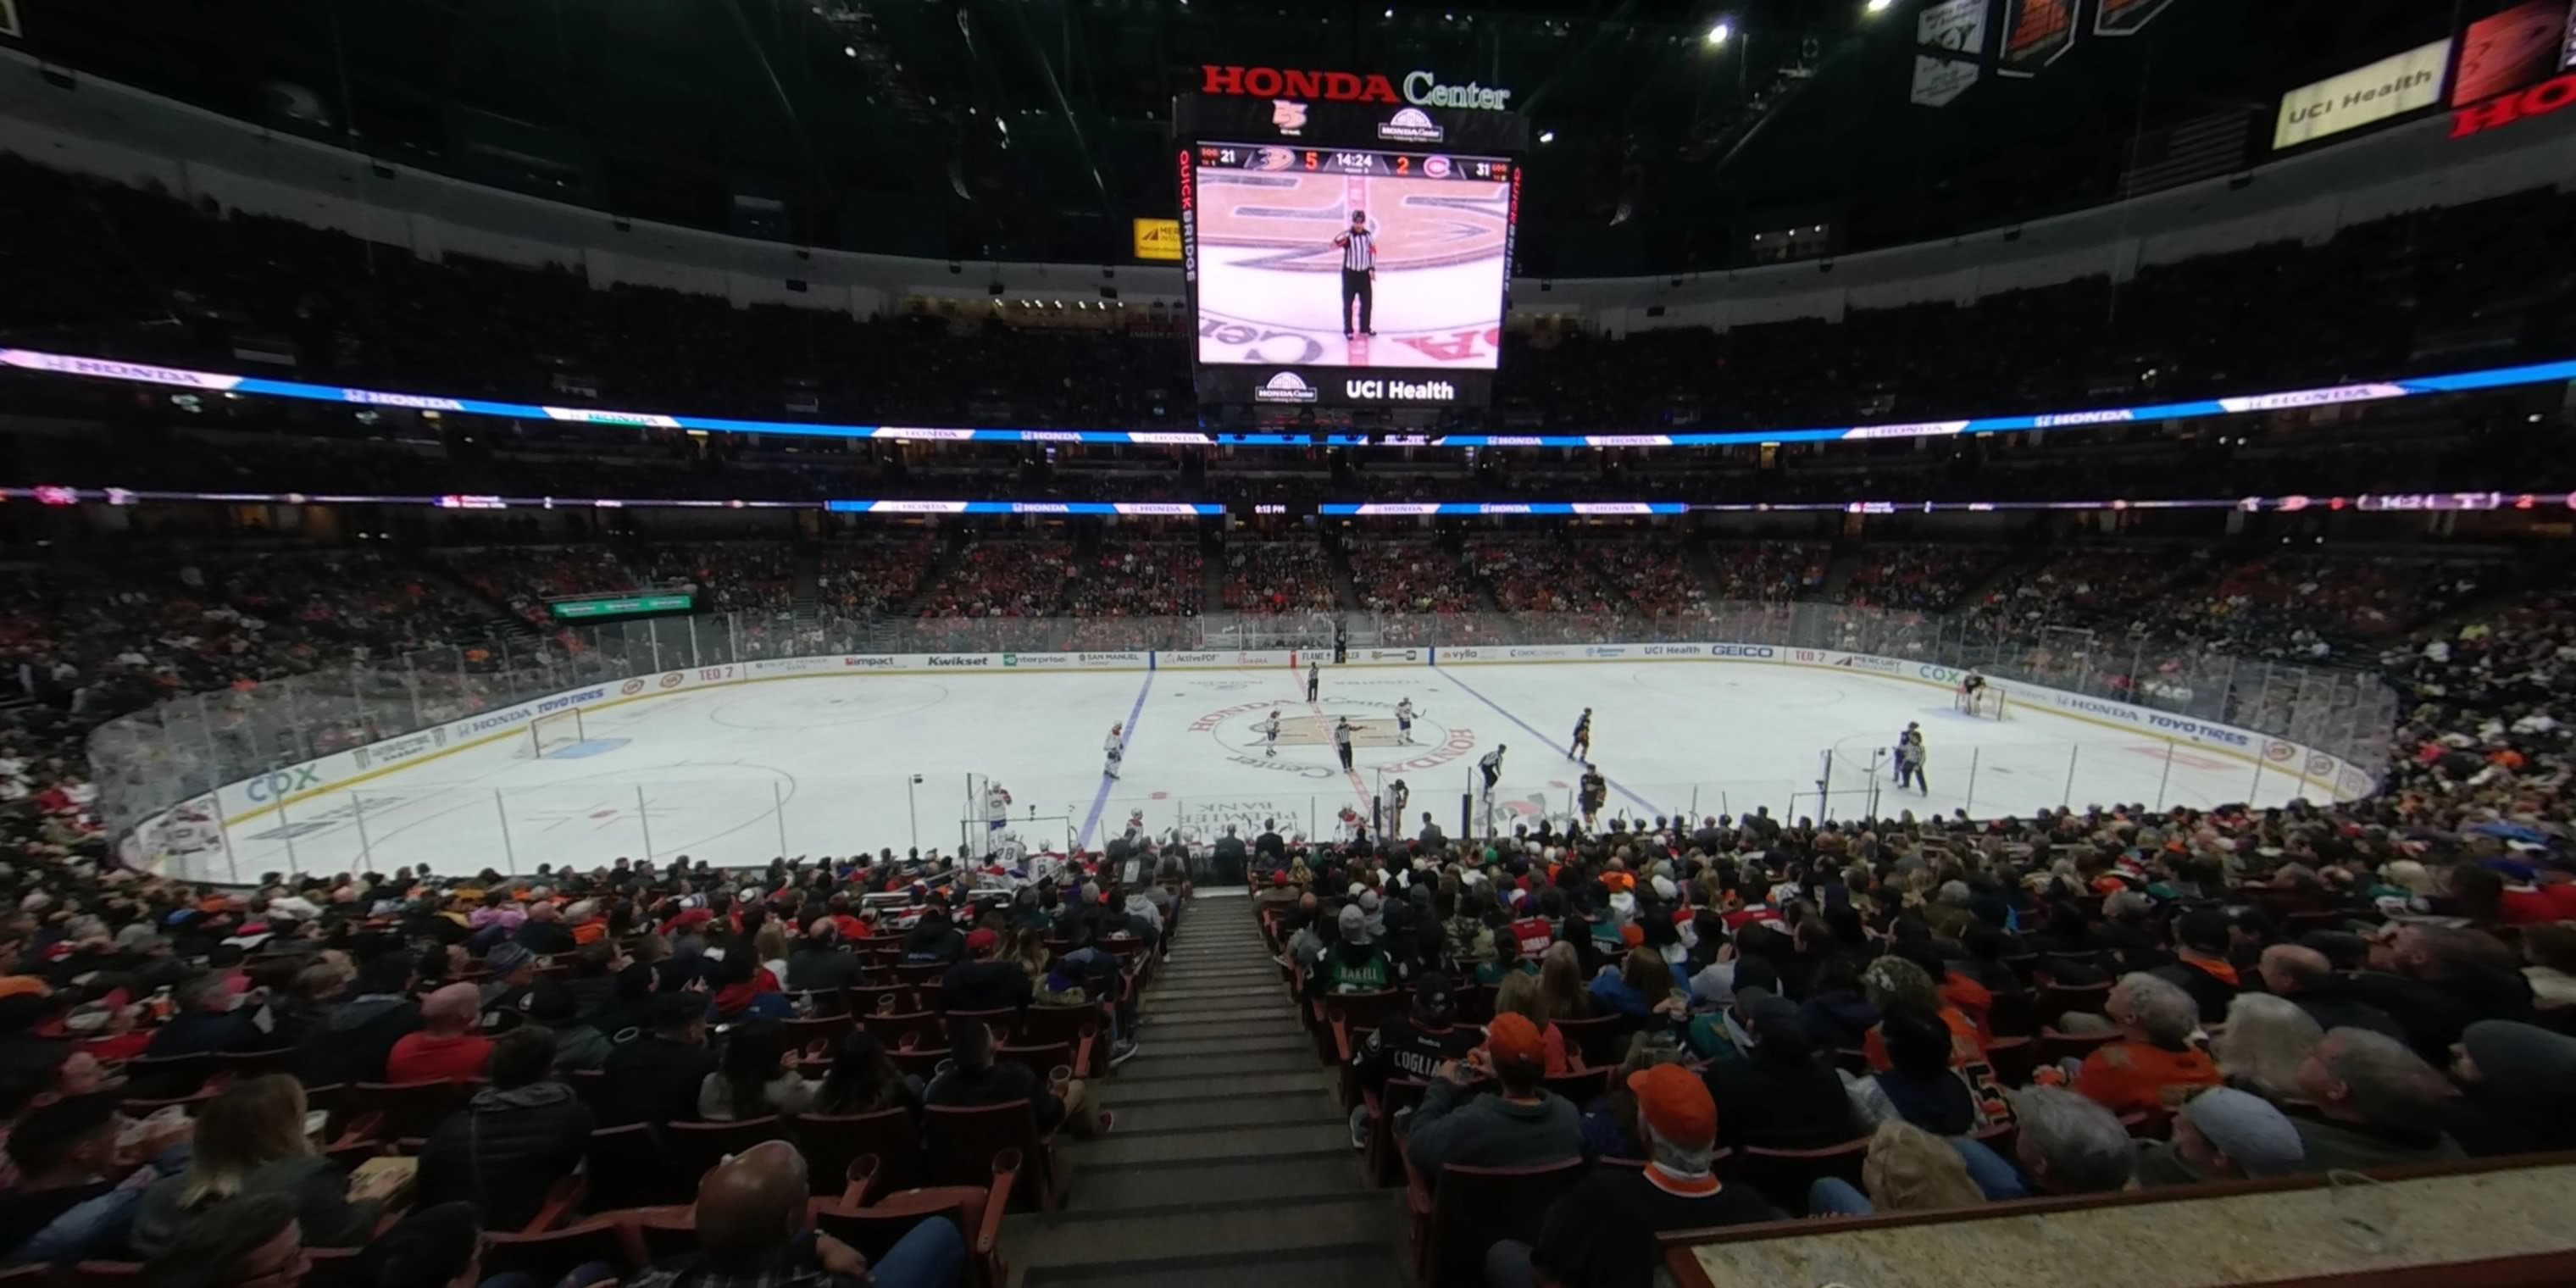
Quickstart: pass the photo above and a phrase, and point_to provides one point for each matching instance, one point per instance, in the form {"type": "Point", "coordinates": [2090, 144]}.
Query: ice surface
{"type": "Point", "coordinates": [823, 765]}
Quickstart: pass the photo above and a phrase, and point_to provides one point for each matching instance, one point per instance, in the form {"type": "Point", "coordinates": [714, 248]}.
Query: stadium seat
{"type": "Point", "coordinates": [553, 1254]}
{"type": "Point", "coordinates": [976, 1210]}
{"type": "Point", "coordinates": [961, 1142]}
{"type": "Point", "coordinates": [1784, 1175]}
{"type": "Point", "coordinates": [695, 1148]}
{"type": "Point", "coordinates": [832, 1142]}
{"type": "Point", "coordinates": [1469, 1209]}
{"type": "Point", "coordinates": [629, 1167]}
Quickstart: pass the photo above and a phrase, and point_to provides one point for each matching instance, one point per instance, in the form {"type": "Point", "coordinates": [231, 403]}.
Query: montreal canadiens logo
{"type": "Point", "coordinates": [1435, 167]}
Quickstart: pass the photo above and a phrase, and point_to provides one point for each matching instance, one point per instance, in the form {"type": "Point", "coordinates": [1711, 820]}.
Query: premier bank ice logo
{"type": "Point", "coordinates": [1286, 387]}
{"type": "Point", "coordinates": [1411, 125]}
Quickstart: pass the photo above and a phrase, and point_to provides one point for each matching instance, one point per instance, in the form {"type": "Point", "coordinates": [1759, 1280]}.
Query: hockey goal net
{"type": "Point", "coordinates": [1988, 703]}
{"type": "Point", "coordinates": [552, 733]}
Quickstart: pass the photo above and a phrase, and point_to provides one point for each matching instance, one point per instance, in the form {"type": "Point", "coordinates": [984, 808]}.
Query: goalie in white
{"type": "Point", "coordinates": [1114, 747]}
{"type": "Point", "coordinates": [1269, 736]}
{"type": "Point", "coordinates": [1972, 689]}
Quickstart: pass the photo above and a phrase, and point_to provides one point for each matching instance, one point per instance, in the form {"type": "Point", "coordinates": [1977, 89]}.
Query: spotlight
{"type": "Point", "coordinates": [1717, 35]}
{"type": "Point", "coordinates": [1547, 136]}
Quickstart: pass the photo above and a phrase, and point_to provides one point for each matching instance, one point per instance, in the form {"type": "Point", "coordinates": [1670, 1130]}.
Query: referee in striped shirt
{"type": "Point", "coordinates": [1359, 272]}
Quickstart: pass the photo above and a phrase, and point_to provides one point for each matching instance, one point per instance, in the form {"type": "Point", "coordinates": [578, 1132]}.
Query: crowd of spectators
{"type": "Point", "coordinates": [1769, 571]}
{"type": "Point", "coordinates": [1656, 576]}
{"type": "Point", "coordinates": [731, 576]}
{"type": "Point", "coordinates": [1919, 578]}
{"type": "Point", "coordinates": [1278, 576]}
{"type": "Point", "coordinates": [875, 576]}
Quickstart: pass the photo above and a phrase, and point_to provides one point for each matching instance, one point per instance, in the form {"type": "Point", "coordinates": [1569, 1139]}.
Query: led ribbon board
{"type": "Point", "coordinates": [2282, 400]}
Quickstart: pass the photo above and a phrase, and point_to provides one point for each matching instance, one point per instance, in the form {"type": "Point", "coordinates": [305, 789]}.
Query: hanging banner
{"type": "Point", "coordinates": [2036, 33]}
{"type": "Point", "coordinates": [2505, 52]}
{"type": "Point", "coordinates": [1955, 25]}
{"type": "Point", "coordinates": [2393, 86]}
{"type": "Point", "coordinates": [2126, 17]}
{"type": "Point", "coordinates": [1158, 239]}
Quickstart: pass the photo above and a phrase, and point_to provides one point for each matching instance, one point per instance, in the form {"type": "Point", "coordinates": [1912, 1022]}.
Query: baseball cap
{"type": "Point", "coordinates": [982, 941]}
{"type": "Point", "coordinates": [508, 956]}
{"type": "Point", "coordinates": [1511, 1037]}
{"type": "Point", "coordinates": [1354, 924]}
{"type": "Point", "coordinates": [1676, 1104]}
{"type": "Point", "coordinates": [2246, 1128]}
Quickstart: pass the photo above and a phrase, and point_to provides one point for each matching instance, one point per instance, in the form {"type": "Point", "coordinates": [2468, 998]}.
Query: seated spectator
{"type": "Point", "coordinates": [1892, 980]}
{"type": "Point", "coordinates": [863, 1079]}
{"type": "Point", "coordinates": [2266, 1040]}
{"type": "Point", "coordinates": [1523, 1124]}
{"type": "Point", "coordinates": [756, 1078]}
{"type": "Point", "coordinates": [817, 963]}
{"type": "Point", "coordinates": [513, 1141]}
{"type": "Point", "coordinates": [2155, 1057]}
{"type": "Point", "coordinates": [2200, 967]}
{"type": "Point", "coordinates": [353, 1038]}
{"type": "Point", "coordinates": [2515, 1080]}
{"type": "Point", "coordinates": [544, 932]}
{"type": "Point", "coordinates": [1907, 1170]}
{"type": "Point", "coordinates": [2304, 976]}
{"type": "Point", "coordinates": [2441, 979]}
{"type": "Point", "coordinates": [1782, 1094]}
{"type": "Point", "coordinates": [2069, 1144]}
{"type": "Point", "coordinates": [251, 1142]}
{"type": "Point", "coordinates": [511, 969]}
{"type": "Point", "coordinates": [577, 1045]}
{"type": "Point", "coordinates": [985, 981]}
{"type": "Point", "coordinates": [1610, 1126]}
{"type": "Point", "coordinates": [1920, 1085]}
{"type": "Point", "coordinates": [206, 1022]}
{"type": "Point", "coordinates": [656, 1076]}
{"type": "Point", "coordinates": [1602, 1234]}
{"type": "Point", "coordinates": [1519, 995]}
{"type": "Point", "coordinates": [1416, 1043]}
{"type": "Point", "coordinates": [752, 1229]}
{"type": "Point", "coordinates": [934, 938]}
{"type": "Point", "coordinates": [450, 1044]}
{"type": "Point", "coordinates": [747, 990]}
{"type": "Point", "coordinates": [2371, 1102]}
{"type": "Point", "coordinates": [2222, 1134]}
{"type": "Point", "coordinates": [1640, 986]}
{"type": "Point", "coordinates": [976, 1079]}
{"type": "Point", "coordinates": [76, 1190]}
{"type": "Point", "coordinates": [1353, 963]}
{"type": "Point", "coordinates": [255, 1241]}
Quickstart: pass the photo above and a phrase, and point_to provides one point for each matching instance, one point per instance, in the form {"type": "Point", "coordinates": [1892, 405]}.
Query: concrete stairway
{"type": "Point", "coordinates": [1231, 1162]}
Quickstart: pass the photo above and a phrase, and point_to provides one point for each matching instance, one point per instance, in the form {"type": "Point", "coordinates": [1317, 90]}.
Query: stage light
{"type": "Point", "coordinates": [1878, 6]}
{"type": "Point", "coordinates": [1547, 136]}
{"type": "Point", "coordinates": [1717, 35]}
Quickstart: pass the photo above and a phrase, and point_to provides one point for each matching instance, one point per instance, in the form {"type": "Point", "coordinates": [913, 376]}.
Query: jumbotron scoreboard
{"type": "Point", "coordinates": [1344, 254]}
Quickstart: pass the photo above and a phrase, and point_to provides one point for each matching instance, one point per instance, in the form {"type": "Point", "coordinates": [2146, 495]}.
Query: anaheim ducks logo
{"type": "Point", "coordinates": [1418, 223]}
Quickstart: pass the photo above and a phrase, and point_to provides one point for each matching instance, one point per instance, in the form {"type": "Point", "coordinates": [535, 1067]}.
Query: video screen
{"type": "Point", "coordinates": [1349, 257]}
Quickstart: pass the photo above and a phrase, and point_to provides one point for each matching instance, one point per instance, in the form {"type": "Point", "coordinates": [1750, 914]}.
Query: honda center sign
{"type": "Point", "coordinates": [1421, 88]}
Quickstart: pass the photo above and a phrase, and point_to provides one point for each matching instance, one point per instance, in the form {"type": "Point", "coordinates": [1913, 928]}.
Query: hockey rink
{"type": "Point", "coordinates": [738, 774]}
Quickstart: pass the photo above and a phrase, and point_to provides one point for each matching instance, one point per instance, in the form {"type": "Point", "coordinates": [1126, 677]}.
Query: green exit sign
{"type": "Point", "coordinates": [582, 610]}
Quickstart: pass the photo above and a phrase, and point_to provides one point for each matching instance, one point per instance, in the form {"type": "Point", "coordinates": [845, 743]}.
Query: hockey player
{"type": "Point", "coordinates": [1404, 721]}
{"type": "Point", "coordinates": [1314, 680]}
{"type": "Point", "coordinates": [1971, 685]}
{"type": "Point", "coordinates": [1913, 729]}
{"type": "Point", "coordinates": [1582, 744]}
{"type": "Point", "coordinates": [1397, 797]}
{"type": "Point", "coordinates": [1909, 762]}
{"type": "Point", "coordinates": [1595, 793]}
{"type": "Point", "coordinates": [1342, 741]}
{"type": "Point", "coordinates": [1114, 747]}
{"type": "Point", "coordinates": [1492, 765]}
{"type": "Point", "coordinates": [997, 808]}
{"type": "Point", "coordinates": [1270, 736]}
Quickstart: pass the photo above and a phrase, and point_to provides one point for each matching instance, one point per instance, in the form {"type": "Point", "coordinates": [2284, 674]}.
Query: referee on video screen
{"type": "Point", "coordinates": [1359, 272]}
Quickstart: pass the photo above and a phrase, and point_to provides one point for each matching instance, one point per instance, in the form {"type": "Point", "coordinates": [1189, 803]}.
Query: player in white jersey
{"type": "Point", "coordinates": [1404, 721]}
{"type": "Point", "coordinates": [1269, 735]}
{"type": "Point", "coordinates": [1114, 747]}
{"type": "Point", "coordinates": [997, 808]}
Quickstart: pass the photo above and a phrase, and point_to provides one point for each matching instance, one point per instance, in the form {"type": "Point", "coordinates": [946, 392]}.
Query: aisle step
{"type": "Point", "coordinates": [1222, 1240]}
{"type": "Point", "coordinates": [1226, 1180]}
{"type": "Point", "coordinates": [1139, 1091]}
{"type": "Point", "coordinates": [1148, 1066]}
{"type": "Point", "coordinates": [1229, 1113]}
{"type": "Point", "coordinates": [1158, 1044]}
{"type": "Point", "coordinates": [1120, 1150]}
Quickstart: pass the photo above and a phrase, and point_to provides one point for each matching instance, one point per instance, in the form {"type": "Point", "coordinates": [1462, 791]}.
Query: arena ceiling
{"type": "Point", "coordinates": [1034, 129]}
